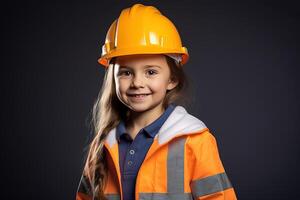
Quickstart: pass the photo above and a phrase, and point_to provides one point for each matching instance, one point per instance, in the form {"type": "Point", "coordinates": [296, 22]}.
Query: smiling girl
{"type": "Point", "coordinates": [145, 146]}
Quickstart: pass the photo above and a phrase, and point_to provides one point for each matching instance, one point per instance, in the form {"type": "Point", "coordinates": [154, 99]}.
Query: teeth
{"type": "Point", "coordinates": [140, 95]}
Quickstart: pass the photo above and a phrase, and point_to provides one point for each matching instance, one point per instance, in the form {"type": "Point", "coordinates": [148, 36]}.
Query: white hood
{"type": "Point", "coordinates": [179, 122]}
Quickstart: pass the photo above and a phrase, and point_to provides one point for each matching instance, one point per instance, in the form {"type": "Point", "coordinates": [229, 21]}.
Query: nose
{"type": "Point", "coordinates": [137, 81]}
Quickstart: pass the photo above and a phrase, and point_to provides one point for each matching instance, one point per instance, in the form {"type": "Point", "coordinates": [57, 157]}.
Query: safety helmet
{"type": "Point", "coordinates": [142, 30]}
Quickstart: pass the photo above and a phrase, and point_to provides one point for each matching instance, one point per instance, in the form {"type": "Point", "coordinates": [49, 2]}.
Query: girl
{"type": "Point", "coordinates": [146, 146]}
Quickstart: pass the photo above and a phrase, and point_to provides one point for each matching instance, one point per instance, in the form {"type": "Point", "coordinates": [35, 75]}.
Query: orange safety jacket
{"type": "Point", "coordinates": [183, 163]}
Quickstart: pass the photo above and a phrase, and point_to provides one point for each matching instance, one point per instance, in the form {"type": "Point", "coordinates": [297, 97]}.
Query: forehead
{"type": "Point", "coordinates": [142, 60]}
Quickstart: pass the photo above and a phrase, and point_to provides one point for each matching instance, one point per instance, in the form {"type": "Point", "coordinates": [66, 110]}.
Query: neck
{"type": "Point", "coordinates": [138, 120]}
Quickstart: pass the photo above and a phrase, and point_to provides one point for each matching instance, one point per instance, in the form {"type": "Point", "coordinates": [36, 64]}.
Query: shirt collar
{"type": "Point", "coordinates": [152, 129]}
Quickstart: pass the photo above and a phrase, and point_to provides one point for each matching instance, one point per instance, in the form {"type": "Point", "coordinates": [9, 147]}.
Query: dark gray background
{"type": "Point", "coordinates": [244, 67]}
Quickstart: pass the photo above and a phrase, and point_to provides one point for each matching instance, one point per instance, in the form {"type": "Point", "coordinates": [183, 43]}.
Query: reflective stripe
{"type": "Point", "coordinates": [175, 175]}
{"type": "Point", "coordinates": [209, 185]}
{"type": "Point", "coordinates": [112, 196]}
{"type": "Point", "coordinates": [165, 196]}
{"type": "Point", "coordinates": [175, 168]}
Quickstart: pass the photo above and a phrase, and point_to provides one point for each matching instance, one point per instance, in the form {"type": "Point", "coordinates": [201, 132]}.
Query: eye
{"type": "Point", "coordinates": [124, 73]}
{"type": "Point", "coordinates": [151, 72]}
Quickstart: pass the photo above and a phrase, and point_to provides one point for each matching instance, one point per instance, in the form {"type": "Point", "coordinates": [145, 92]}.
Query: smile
{"type": "Point", "coordinates": [138, 97]}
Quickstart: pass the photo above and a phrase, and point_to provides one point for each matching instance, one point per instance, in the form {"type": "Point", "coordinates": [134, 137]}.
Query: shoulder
{"type": "Point", "coordinates": [197, 134]}
{"type": "Point", "coordinates": [199, 139]}
{"type": "Point", "coordinates": [202, 145]}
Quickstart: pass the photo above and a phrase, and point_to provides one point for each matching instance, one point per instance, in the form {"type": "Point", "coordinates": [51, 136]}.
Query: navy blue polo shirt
{"type": "Point", "coordinates": [133, 152]}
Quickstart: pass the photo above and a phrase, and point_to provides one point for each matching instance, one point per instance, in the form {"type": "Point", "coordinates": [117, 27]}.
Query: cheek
{"type": "Point", "coordinates": [159, 86]}
{"type": "Point", "coordinates": [121, 85]}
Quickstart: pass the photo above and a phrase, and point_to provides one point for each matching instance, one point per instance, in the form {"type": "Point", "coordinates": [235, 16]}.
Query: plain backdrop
{"type": "Point", "coordinates": [243, 67]}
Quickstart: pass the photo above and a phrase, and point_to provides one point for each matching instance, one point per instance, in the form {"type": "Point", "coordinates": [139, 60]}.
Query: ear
{"type": "Point", "coordinates": [172, 84]}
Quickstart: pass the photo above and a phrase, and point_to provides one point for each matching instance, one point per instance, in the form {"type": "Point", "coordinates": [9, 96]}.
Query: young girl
{"type": "Point", "coordinates": [145, 146]}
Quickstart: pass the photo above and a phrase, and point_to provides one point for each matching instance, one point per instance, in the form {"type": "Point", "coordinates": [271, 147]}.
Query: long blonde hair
{"type": "Point", "coordinates": [107, 113]}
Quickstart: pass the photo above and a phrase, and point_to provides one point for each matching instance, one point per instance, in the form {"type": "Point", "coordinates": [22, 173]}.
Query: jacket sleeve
{"type": "Point", "coordinates": [84, 189]}
{"type": "Point", "coordinates": [209, 179]}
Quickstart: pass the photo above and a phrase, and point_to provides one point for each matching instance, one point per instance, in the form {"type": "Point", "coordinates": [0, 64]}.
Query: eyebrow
{"type": "Point", "coordinates": [145, 67]}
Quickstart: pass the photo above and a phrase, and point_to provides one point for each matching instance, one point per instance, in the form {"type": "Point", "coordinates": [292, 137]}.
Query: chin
{"type": "Point", "coordinates": [139, 108]}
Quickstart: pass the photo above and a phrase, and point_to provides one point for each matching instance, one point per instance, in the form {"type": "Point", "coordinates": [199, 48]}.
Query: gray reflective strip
{"type": "Point", "coordinates": [164, 196]}
{"type": "Point", "coordinates": [209, 185]}
{"type": "Point", "coordinates": [175, 166]}
{"type": "Point", "coordinates": [112, 196]}
{"type": "Point", "coordinates": [175, 175]}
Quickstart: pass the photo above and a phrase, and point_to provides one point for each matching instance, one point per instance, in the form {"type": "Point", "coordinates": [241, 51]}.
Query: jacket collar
{"type": "Point", "coordinates": [179, 122]}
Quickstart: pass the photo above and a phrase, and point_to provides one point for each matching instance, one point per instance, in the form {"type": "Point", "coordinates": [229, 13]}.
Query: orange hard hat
{"type": "Point", "coordinates": [142, 30]}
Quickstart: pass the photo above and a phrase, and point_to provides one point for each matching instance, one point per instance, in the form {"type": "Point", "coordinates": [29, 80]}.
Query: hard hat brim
{"type": "Point", "coordinates": [104, 60]}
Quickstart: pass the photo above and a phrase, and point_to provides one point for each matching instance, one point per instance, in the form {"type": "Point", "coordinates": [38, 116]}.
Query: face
{"type": "Point", "coordinates": [142, 81]}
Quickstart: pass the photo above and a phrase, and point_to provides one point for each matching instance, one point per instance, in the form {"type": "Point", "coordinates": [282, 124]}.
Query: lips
{"type": "Point", "coordinates": [138, 97]}
{"type": "Point", "coordinates": [143, 94]}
